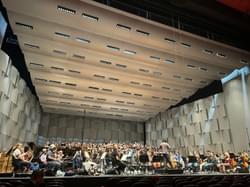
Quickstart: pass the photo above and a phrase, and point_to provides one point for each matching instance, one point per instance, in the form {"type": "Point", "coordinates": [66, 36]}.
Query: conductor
{"type": "Point", "coordinates": [165, 148]}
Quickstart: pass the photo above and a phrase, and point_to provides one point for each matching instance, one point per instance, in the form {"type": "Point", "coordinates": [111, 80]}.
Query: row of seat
{"type": "Point", "coordinates": [181, 181]}
{"type": "Point", "coordinates": [140, 181]}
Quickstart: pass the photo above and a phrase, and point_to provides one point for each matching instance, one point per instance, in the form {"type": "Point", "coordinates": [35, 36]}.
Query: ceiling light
{"type": "Point", "coordinates": [169, 40]}
{"type": "Point", "coordinates": [82, 40]}
{"type": "Point", "coordinates": [143, 32]}
{"type": "Point", "coordinates": [185, 45]}
{"type": "Point", "coordinates": [113, 48]}
{"type": "Point", "coordinates": [24, 25]}
{"type": "Point", "coordinates": [207, 51]}
{"type": "Point", "coordinates": [129, 52]}
{"type": "Point", "coordinates": [59, 52]}
{"type": "Point", "coordinates": [90, 17]}
{"type": "Point", "coordinates": [243, 62]}
{"type": "Point", "coordinates": [66, 10]}
{"type": "Point", "coordinates": [31, 46]}
{"type": "Point", "coordinates": [220, 55]}
{"type": "Point", "coordinates": [78, 56]}
{"type": "Point", "coordinates": [169, 61]}
{"type": "Point", "coordinates": [123, 27]}
{"type": "Point", "coordinates": [63, 35]}
{"type": "Point", "coordinates": [155, 58]}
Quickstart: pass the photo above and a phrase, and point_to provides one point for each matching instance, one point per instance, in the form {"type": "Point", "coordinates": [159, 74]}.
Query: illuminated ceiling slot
{"type": "Point", "coordinates": [105, 62]}
{"type": "Point", "coordinates": [41, 80]}
{"type": "Point", "coordinates": [155, 58]}
{"type": "Point", "coordinates": [177, 76]}
{"type": "Point", "coordinates": [191, 66]}
{"type": "Point", "coordinates": [93, 88]}
{"type": "Point", "coordinates": [106, 90]}
{"type": "Point", "coordinates": [113, 48]}
{"type": "Point", "coordinates": [170, 40]}
{"type": "Point", "coordinates": [188, 79]}
{"type": "Point", "coordinates": [88, 97]}
{"type": "Point", "coordinates": [128, 93]}
{"type": "Point", "coordinates": [78, 56]}
{"type": "Point", "coordinates": [147, 85]}
{"type": "Point", "coordinates": [66, 10]}
{"type": "Point", "coordinates": [135, 83]}
{"type": "Point", "coordinates": [157, 73]}
{"type": "Point", "coordinates": [90, 17]}
{"type": "Point", "coordinates": [25, 25]}
{"type": "Point", "coordinates": [121, 65]}
{"type": "Point", "coordinates": [139, 95]}
{"type": "Point", "coordinates": [203, 69]}
{"type": "Point", "coordinates": [165, 88]}
{"type": "Point", "coordinates": [221, 55]}
{"type": "Point", "coordinates": [68, 95]}
{"type": "Point", "coordinates": [36, 64]}
{"type": "Point", "coordinates": [123, 27]}
{"type": "Point", "coordinates": [207, 51]}
{"type": "Point", "coordinates": [74, 71]}
{"type": "Point", "coordinates": [59, 52]}
{"type": "Point", "coordinates": [243, 61]}
{"type": "Point", "coordinates": [55, 82]}
{"type": "Point", "coordinates": [70, 84]}
{"type": "Point", "coordinates": [185, 45]}
{"type": "Point", "coordinates": [129, 52]}
{"type": "Point", "coordinates": [82, 40]}
{"type": "Point", "coordinates": [130, 103]}
{"type": "Point", "coordinates": [63, 35]}
{"type": "Point", "coordinates": [144, 70]}
{"type": "Point", "coordinates": [57, 68]}
{"type": "Point", "coordinates": [113, 79]}
{"type": "Point", "coordinates": [168, 61]}
{"type": "Point", "coordinates": [143, 32]}
{"type": "Point", "coordinates": [31, 46]}
{"type": "Point", "coordinates": [99, 76]}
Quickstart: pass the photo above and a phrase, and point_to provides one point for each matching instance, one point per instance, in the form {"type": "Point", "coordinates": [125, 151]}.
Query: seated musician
{"type": "Point", "coordinates": [165, 148]}
{"type": "Point", "coordinates": [43, 158]}
{"type": "Point", "coordinates": [193, 161]}
{"type": "Point", "coordinates": [54, 162]}
{"type": "Point", "coordinates": [226, 163]}
{"type": "Point", "coordinates": [210, 163]}
{"type": "Point", "coordinates": [178, 161]}
{"type": "Point", "coordinates": [116, 162]}
{"type": "Point", "coordinates": [20, 159]}
{"type": "Point", "coordinates": [243, 163]}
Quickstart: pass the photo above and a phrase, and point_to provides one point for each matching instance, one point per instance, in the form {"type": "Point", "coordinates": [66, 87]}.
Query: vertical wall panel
{"type": "Point", "coordinates": [94, 129]}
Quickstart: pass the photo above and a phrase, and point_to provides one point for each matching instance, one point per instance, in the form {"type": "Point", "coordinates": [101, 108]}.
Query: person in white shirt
{"type": "Point", "coordinates": [164, 149]}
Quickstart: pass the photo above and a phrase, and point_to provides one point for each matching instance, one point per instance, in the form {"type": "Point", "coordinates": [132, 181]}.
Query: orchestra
{"type": "Point", "coordinates": [114, 158]}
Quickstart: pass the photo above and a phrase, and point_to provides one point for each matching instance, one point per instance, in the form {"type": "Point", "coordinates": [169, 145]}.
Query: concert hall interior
{"type": "Point", "coordinates": [124, 93]}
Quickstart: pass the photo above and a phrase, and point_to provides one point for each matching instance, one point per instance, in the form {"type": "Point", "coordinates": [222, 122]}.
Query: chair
{"type": "Point", "coordinates": [125, 183]}
{"type": "Point", "coordinates": [142, 184]}
{"type": "Point", "coordinates": [238, 185]}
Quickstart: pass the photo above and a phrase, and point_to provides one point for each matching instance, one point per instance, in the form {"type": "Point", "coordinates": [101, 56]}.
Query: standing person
{"type": "Point", "coordinates": [165, 149]}
{"type": "Point", "coordinates": [77, 159]}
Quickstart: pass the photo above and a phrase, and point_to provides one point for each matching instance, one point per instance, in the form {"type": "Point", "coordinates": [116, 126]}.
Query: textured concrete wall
{"type": "Point", "coordinates": [61, 128]}
{"type": "Point", "coordinates": [201, 125]}
{"type": "Point", "coordinates": [20, 111]}
{"type": "Point", "coordinates": [218, 123]}
{"type": "Point", "coordinates": [237, 94]}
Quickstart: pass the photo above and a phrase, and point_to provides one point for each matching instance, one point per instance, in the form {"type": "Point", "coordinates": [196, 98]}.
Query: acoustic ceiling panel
{"type": "Point", "coordinates": [89, 59]}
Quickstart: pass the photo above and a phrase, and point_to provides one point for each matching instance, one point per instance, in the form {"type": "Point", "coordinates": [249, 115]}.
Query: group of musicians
{"type": "Point", "coordinates": [116, 158]}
